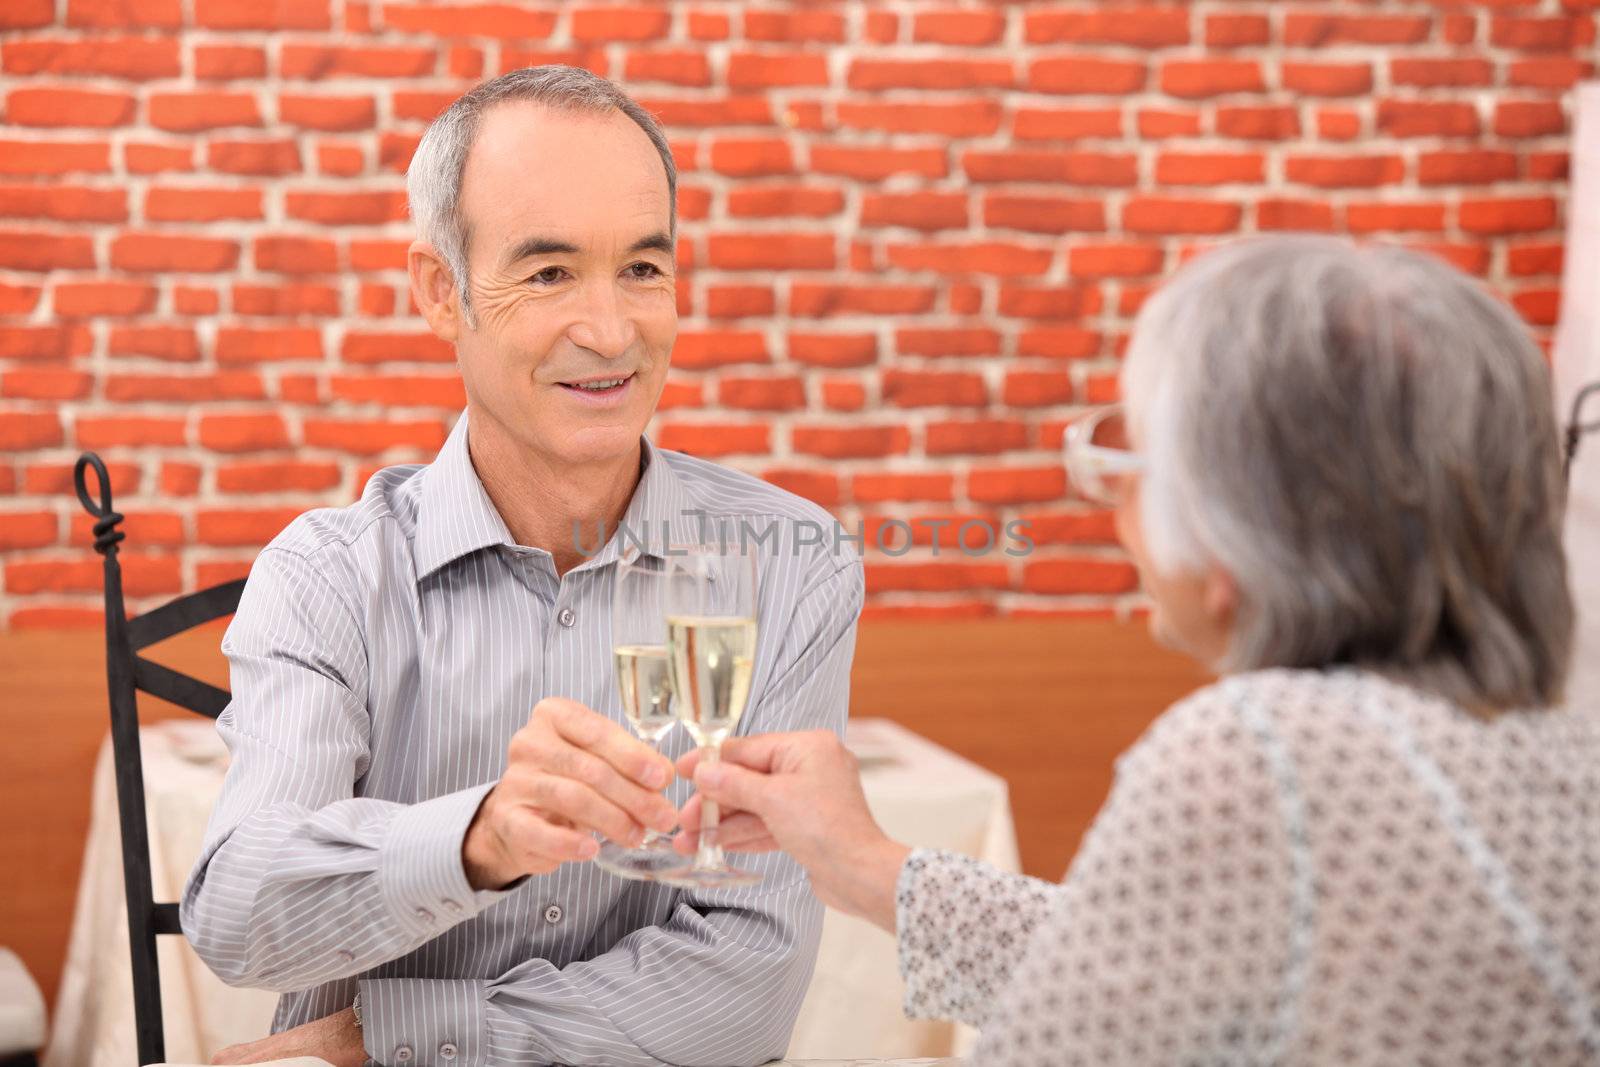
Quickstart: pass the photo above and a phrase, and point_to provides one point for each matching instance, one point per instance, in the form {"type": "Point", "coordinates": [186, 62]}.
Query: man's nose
{"type": "Point", "coordinates": [603, 326]}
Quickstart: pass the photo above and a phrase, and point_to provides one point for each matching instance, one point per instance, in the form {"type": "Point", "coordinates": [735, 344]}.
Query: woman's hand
{"type": "Point", "coordinates": [800, 793]}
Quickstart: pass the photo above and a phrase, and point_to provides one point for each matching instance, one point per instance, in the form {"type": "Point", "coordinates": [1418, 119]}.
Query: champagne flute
{"type": "Point", "coordinates": [639, 641]}
{"type": "Point", "coordinates": [711, 644]}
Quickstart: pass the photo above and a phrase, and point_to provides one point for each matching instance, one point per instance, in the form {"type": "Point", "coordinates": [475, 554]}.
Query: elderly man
{"type": "Point", "coordinates": [399, 844]}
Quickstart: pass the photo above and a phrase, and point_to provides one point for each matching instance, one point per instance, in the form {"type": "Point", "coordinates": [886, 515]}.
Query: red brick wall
{"type": "Point", "coordinates": [914, 237]}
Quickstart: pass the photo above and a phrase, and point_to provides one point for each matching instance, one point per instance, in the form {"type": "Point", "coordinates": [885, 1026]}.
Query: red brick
{"type": "Point", "coordinates": [28, 529]}
{"type": "Point", "coordinates": [374, 436]}
{"type": "Point", "coordinates": [675, 67]}
{"type": "Point", "coordinates": [129, 58]}
{"type": "Point", "coordinates": [1157, 123]}
{"type": "Point", "coordinates": [1066, 124]}
{"type": "Point", "coordinates": [1086, 74]}
{"type": "Point", "coordinates": [1070, 527]}
{"type": "Point", "coordinates": [1430, 73]}
{"type": "Point", "coordinates": [195, 300]}
{"type": "Point", "coordinates": [1016, 485]}
{"type": "Point", "coordinates": [877, 164]}
{"type": "Point", "coordinates": [1259, 123]}
{"type": "Point", "coordinates": [56, 479]}
{"type": "Point", "coordinates": [833, 350]}
{"type": "Point", "coordinates": [1466, 167]}
{"type": "Point", "coordinates": [1165, 215]}
{"type": "Point", "coordinates": [54, 157]}
{"type": "Point", "coordinates": [820, 301]}
{"type": "Point", "coordinates": [843, 394]}
{"type": "Point", "coordinates": [1422, 118]}
{"type": "Point", "coordinates": [794, 26]}
{"type": "Point", "coordinates": [1079, 576]}
{"type": "Point", "coordinates": [370, 346]}
{"type": "Point", "coordinates": [114, 430]}
{"type": "Point", "coordinates": [29, 14]}
{"type": "Point", "coordinates": [197, 111]}
{"type": "Point", "coordinates": [1036, 388]}
{"type": "Point", "coordinates": [158, 158]}
{"type": "Point", "coordinates": [975, 437]}
{"type": "Point", "coordinates": [1338, 124]}
{"type": "Point", "coordinates": [1282, 214]}
{"type": "Point", "coordinates": [470, 20]}
{"type": "Point", "coordinates": [873, 488]}
{"type": "Point", "coordinates": [926, 341]}
{"type": "Point", "coordinates": [958, 27]}
{"type": "Point", "coordinates": [1508, 215]}
{"type": "Point", "coordinates": [227, 527]}
{"type": "Point", "coordinates": [786, 393]}
{"type": "Point", "coordinates": [184, 388]}
{"type": "Point", "coordinates": [333, 113]}
{"type": "Point", "coordinates": [1046, 165]}
{"type": "Point", "coordinates": [712, 440]}
{"type": "Point", "coordinates": [414, 390]}
{"type": "Point", "coordinates": [940, 576]}
{"type": "Point", "coordinates": [267, 158]}
{"type": "Point", "coordinates": [1535, 34]}
{"type": "Point", "coordinates": [850, 442]}
{"type": "Point", "coordinates": [783, 251]}
{"type": "Point", "coordinates": [751, 156]}
{"type": "Point", "coordinates": [201, 205]}
{"type": "Point", "coordinates": [709, 26]}
{"type": "Point", "coordinates": [1059, 342]}
{"type": "Point", "coordinates": [1048, 302]}
{"type": "Point", "coordinates": [714, 112]}
{"type": "Point", "coordinates": [1209, 168]}
{"type": "Point", "coordinates": [1114, 261]}
{"type": "Point", "coordinates": [278, 476]}
{"type": "Point", "coordinates": [108, 296]}
{"type": "Point", "coordinates": [176, 343]}
{"type": "Point", "coordinates": [873, 75]}
{"type": "Point", "coordinates": [45, 383]}
{"type": "Point", "coordinates": [180, 479]}
{"type": "Point", "coordinates": [990, 257]}
{"type": "Point", "coordinates": [1237, 31]}
{"type": "Point", "coordinates": [312, 62]}
{"type": "Point", "coordinates": [1535, 258]}
{"type": "Point", "coordinates": [1538, 307]}
{"type": "Point", "coordinates": [606, 24]}
{"type": "Point", "coordinates": [740, 301]}
{"type": "Point", "coordinates": [63, 203]}
{"type": "Point", "coordinates": [1471, 258]}
{"type": "Point", "coordinates": [296, 255]}
{"type": "Point", "coordinates": [1341, 171]}
{"type": "Point", "coordinates": [18, 299]}
{"type": "Point", "coordinates": [343, 160]}
{"type": "Point", "coordinates": [1305, 30]}
{"type": "Point", "coordinates": [678, 394]}
{"type": "Point", "coordinates": [769, 70]}
{"type": "Point", "coordinates": [225, 62]}
{"type": "Point", "coordinates": [44, 342]}
{"type": "Point", "coordinates": [142, 575]}
{"type": "Point", "coordinates": [163, 252]}
{"type": "Point", "coordinates": [699, 350]}
{"type": "Point", "coordinates": [1328, 79]}
{"type": "Point", "coordinates": [813, 485]}
{"type": "Point", "coordinates": [1547, 72]}
{"type": "Point", "coordinates": [1044, 214]}
{"type": "Point", "coordinates": [918, 211]}
{"type": "Point", "coordinates": [1529, 118]}
{"type": "Point", "coordinates": [68, 107]}
{"type": "Point", "coordinates": [1197, 79]}
{"type": "Point", "coordinates": [1138, 27]}
{"type": "Point", "coordinates": [25, 430]}
{"type": "Point", "coordinates": [975, 118]}
{"type": "Point", "coordinates": [342, 208]}
{"type": "Point", "coordinates": [254, 15]}
{"type": "Point", "coordinates": [241, 344]}
{"type": "Point", "coordinates": [243, 433]}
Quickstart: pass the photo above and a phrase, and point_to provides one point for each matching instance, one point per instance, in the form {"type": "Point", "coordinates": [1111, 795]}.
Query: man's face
{"type": "Point", "coordinates": [572, 280]}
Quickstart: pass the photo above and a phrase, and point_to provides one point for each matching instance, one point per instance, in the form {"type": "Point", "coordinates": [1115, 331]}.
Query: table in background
{"type": "Point", "coordinates": [919, 792]}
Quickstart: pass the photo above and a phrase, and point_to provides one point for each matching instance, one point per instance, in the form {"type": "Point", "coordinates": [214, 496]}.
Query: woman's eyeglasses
{"type": "Point", "coordinates": [1099, 459]}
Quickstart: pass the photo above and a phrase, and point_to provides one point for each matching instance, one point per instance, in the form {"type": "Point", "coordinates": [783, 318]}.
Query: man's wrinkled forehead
{"type": "Point", "coordinates": [537, 173]}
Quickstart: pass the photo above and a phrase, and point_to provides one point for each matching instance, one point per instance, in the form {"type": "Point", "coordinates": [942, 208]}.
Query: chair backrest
{"type": "Point", "coordinates": [127, 672]}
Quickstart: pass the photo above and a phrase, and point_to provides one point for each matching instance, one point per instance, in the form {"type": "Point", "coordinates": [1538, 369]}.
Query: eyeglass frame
{"type": "Point", "coordinates": [1088, 463]}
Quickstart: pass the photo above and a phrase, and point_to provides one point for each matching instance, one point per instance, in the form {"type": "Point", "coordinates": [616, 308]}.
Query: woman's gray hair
{"type": "Point", "coordinates": [433, 180]}
{"type": "Point", "coordinates": [1365, 440]}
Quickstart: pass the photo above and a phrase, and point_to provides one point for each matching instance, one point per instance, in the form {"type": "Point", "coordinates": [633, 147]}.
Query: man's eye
{"type": "Point", "coordinates": [645, 270]}
{"type": "Point", "coordinates": [548, 276]}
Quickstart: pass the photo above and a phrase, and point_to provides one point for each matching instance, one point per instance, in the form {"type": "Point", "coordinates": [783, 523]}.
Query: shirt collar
{"type": "Point", "coordinates": [456, 517]}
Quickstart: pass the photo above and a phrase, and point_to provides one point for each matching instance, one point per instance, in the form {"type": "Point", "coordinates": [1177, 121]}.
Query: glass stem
{"type": "Point", "coordinates": [709, 857]}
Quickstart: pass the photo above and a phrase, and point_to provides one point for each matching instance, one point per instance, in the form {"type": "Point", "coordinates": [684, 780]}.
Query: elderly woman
{"type": "Point", "coordinates": [1376, 840]}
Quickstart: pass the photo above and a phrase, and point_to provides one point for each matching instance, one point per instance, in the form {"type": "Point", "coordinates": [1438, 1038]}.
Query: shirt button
{"type": "Point", "coordinates": [347, 956]}
{"type": "Point", "coordinates": [552, 914]}
{"type": "Point", "coordinates": [567, 617]}
{"type": "Point", "coordinates": [402, 1054]}
{"type": "Point", "coordinates": [452, 907]}
{"type": "Point", "coordinates": [447, 1052]}
{"type": "Point", "coordinates": [424, 915]}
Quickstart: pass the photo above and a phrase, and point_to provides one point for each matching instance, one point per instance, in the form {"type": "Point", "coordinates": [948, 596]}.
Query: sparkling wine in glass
{"type": "Point", "coordinates": [711, 647]}
{"type": "Point", "coordinates": [644, 683]}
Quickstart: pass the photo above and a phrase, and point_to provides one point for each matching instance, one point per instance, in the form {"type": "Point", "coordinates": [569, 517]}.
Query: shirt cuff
{"type": "Point", "coordinates": [920, 930]}
{"type": "Point", "coordinates": [424, 1022]}
{"type": "Point", "coordinates": [421, 878]}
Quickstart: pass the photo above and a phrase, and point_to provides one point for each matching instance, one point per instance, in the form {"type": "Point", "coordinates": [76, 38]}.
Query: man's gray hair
{"type": "Point", "coordinates": [433, 180]}
{"type": "Point", "coordinates": [1365, 439]}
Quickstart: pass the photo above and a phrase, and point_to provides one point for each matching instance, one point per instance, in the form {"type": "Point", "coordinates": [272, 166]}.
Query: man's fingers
{"type": "Point", "coordinates": [535, 843]}
{"type": "Point", "coordinates": [739, 833]}
{"type": "Point", "coordinates": [582, 806]}
{"type": "Point", "coordinates": [595, 733]}
{"type": "Point", "coordinates": [646, 807]}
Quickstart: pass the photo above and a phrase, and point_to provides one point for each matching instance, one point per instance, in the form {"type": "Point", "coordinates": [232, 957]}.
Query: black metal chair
{"type": "Point", "coordinates": [127, 672]}
{"type": "Point", "coordinates": [1576, 427]}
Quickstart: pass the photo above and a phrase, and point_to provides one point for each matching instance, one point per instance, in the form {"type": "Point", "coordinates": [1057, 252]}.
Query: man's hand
{"type": "Point", "coordinates": [335, 1038]}
{"type": "Point", "coordinates": [570, 771]}
{"type": "Point", "coordinates": [800, 792]}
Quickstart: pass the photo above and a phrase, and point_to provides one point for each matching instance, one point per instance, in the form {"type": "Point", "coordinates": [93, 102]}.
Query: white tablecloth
{"type": "Point", "coordinates": [920, 793]}
{"type": "Point", "coordinates": [1577, 362]}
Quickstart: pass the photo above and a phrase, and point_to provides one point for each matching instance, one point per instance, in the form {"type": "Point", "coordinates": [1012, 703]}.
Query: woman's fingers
{"type": "Point", "coordinates": [737, 833]}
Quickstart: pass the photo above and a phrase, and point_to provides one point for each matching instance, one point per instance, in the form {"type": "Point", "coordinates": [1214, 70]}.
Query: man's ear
{"type": "Point", "coordinates": [433, 288]}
